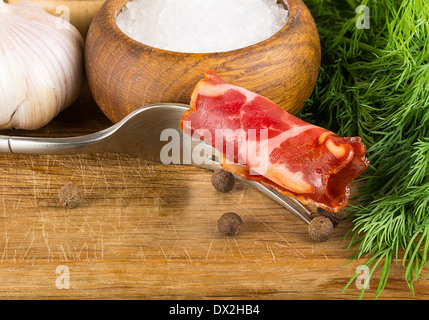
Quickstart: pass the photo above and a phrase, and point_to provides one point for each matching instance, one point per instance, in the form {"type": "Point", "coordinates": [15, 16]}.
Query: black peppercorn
{"type": "Point", "coordinates": [223, 181]}
{"type": "Point", "coordinates": [71, 195]}
{"type": "Point", "coordinates": [320, 228]}
{"type": "Point", "coordinates": [335, 217]}
{"type": "Point", "coordinates": [229, 223]}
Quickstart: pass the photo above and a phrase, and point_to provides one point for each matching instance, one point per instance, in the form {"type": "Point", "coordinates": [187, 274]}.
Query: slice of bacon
{"type": "Point", "coordinates": [267, 144]}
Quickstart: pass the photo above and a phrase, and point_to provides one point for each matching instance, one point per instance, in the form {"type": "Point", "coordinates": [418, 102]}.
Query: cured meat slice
{"type": "Point", "coordinates": [260, 141]}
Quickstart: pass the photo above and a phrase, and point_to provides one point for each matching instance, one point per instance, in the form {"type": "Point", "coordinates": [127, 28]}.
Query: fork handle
{"type": "Point", "coordinates": [4, 144]}
{"type": "Point", "coordinates": [292, 205]}
{"type": "Point", "coordinates": [90, 143]}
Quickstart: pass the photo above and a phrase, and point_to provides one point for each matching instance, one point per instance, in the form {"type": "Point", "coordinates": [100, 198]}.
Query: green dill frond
{"type": "Point", "coordinates": [419, 171]}
{"type": "Point", "coordinates": [374, 83]}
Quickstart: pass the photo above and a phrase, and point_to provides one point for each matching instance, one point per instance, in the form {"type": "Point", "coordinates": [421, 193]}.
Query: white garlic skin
{"type": "Point", "coordinates": [41, 66]}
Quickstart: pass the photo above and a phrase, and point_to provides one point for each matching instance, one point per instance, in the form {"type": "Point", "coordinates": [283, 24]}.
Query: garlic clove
{"type": "Point", "coordinates": [41, 63]}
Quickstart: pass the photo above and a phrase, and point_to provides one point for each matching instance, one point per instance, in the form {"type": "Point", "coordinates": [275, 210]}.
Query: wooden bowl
{"type": "Point", "coordinates": [124, 74]}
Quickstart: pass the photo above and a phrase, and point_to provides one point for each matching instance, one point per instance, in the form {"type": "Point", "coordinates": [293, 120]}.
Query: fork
{"type": "Point", "coordinates": [139, 134]}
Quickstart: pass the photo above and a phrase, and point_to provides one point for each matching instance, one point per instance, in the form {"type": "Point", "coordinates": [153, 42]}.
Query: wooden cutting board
{"type": "Point", "coordinates": [149, 231]}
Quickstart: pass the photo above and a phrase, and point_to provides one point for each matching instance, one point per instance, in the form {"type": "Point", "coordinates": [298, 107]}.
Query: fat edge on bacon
{"type": "Point", "coordinates": [267, 144]}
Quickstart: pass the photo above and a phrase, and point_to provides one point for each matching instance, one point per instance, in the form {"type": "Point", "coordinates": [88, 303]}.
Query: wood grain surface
{"type": "Point", "coordinates": [149, 231]}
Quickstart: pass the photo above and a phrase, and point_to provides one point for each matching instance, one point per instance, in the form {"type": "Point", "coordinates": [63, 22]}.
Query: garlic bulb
{"type": "Point", "coordinates": [41, 65]}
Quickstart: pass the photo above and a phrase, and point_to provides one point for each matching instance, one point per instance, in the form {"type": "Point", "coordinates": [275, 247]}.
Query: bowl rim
{"type": "Point", "coordinates": [293, 6]}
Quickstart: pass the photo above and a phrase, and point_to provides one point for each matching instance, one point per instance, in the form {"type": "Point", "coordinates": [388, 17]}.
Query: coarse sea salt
{"type": "Point", "coordinates": [200, 26]}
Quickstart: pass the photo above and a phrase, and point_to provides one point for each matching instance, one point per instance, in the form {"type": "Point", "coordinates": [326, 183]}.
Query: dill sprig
{"type": "Point", "coordinates": [375, 83]}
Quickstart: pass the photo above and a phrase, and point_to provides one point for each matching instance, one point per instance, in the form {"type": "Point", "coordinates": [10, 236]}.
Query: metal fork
{"type": "Point", "coordinates": [139, 134]}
